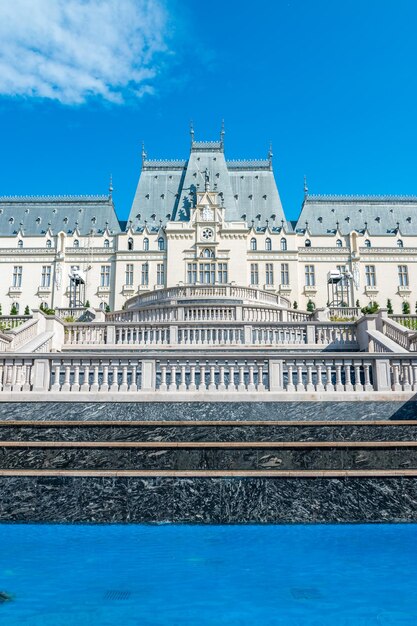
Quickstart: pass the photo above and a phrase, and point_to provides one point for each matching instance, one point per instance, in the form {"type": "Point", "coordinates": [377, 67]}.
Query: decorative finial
{"type": "Point", "coordinates": [192, 131]}
{"type": "Point", "coordinates": [270, 153]}
{"type": "Point", "coordinates": [111, 187]}
{"type": "Point", "coordinates": [222, 133]}
{"type": "Point", "coordinates": [206, 180]}
{"type": "Point", "coordinates": [144, 155]}
{"type": "Point", "coordinates": [305, 187]}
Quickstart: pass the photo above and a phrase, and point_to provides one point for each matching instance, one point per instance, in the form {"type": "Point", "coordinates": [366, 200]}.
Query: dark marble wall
{"type": "Point", "coordinates": [208, 500]}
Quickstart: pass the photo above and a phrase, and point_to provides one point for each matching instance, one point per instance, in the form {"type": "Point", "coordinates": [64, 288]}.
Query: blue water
{"type": "Point", "coordinates": [209, 575]}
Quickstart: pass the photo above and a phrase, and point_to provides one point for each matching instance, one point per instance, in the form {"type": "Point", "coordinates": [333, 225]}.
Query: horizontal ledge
{"type": "Point", "coordinates": [208, 444]}
{"type": "Point", "coordinates": [190, 423]}
{"type": "Point", "coordinates": [212, 473]}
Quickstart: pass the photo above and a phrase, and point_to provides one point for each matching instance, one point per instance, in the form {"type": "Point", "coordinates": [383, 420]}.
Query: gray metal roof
{"type": "Point", "coordinates": [35, 215]}
{"type": "Point", "coordinates": [379, 215]}
{"type": "Point", "coordinates": [247, 189]}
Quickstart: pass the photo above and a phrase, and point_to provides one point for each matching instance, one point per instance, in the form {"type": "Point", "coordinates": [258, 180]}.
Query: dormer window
{"type": "Point", "coordinates": [76, 243]}
{"type": "Point", "coordinates": [65, 220]}
{"type": "Point", "coordinates": [130, 243]}
{"type": "Point", "coordinates": [339, 243]}
{"type": "Point", "coordinates": [400, 243]}
{"type": "Point", "coordinates": [48, 243]}
{"type": "Point", "coordinates": [307, 243]}
{"type": "Point", "coordinates": [93, 220]}
{"type": "Point", "coordinates": [106, 243]}
{"type": "Point", "coordinates": [367, 243]}
{"type": "Point", "coordinates": [38, 220]}
{"type": "Point", "coordinates": [11, 220]}
{"type": "Point", "coordinates": [161, 243]}
{"type": "Point", "coordinates": [20, 244]}
{"type": "Point", "coordinates": [253, 245]}
{"type": "Point", "coordinates": [283, 244]}
{"type": "Point", "coordinates": [146, 244]}
{"type": "Point", "coordinates": [268, 244]}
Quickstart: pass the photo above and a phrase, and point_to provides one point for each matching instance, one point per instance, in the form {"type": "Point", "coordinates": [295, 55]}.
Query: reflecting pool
{"type": "Point", "coordinates": [172, 575]}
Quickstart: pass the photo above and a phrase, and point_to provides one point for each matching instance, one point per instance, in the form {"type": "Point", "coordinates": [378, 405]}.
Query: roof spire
{"type": "Point", "coordinates": [192, 131]}
{"type": "Point", "coordinates": [206, 180]}
{"type": "Point", "coordinates": [111, 187]}
{"type": "Point", "coordinates": [144, 155]}
{"type": "Point", "coordinates": [305, 187]}
{"type": "Point", "coordinates": [270, 155]}
{"type": "Point", "coordinates": [222, 133]}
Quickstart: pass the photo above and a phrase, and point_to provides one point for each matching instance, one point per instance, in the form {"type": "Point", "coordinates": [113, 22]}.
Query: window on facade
{"type": "Point", "coordinates": [130, 243]}
{"type": "Point", "coordinates": [400, 243]}
{"type": "Point", "coordinates": [367, 243]}
{"type": "Point", "coordinates": [103, 306]}
{"type": "Point", "coordinates": [403, 275]}
{"type": "Point", "coordinates": [105, 276]}
{"type": "Point", "coordinates": [20, 244]}
{"type": "Point", "coordinates": [254, 274]}
{"type": "Point", "coordinates": [222, 273]}
{"type": "Point", "coordinates": [146, 244]}
{"type": "Point", "coordinates": [161, 243]}
{"type": "Point", "coordinates": [253, 245]}
{"type": "Point", "coordinates": [339, 243]}
{"type": "Point", "coordinates": [17, 276]}
{"type": "Point", "coordinates": [160, 274]}
{"type": "Point", "coordinates": [283, 244]}
{"type": "Point", "coordinates": [310, 278]}
{"type": "Point", "coordinates": [269, 274]}
{"type": "Point", "coordinates": [191, 273]}
{"type": "Point", "coordinates": [44, 305]}
{"type": "Point", "coordinates": [15, 307]}
{"type": "Point", "coordinates": [370, 276]}
{"type": "Point", "coordinates": [307, 243]}
{"type": "Point", "coordinates": [145, 274]}
{"type": "Point", "coordinates": [129, 274]}
{"type": "Point", "coordinates": [207, 253]}
{"type": "Point", "coordinates": [76, 243]}
{"type": "Point", "coordinates": [106, 243]}
{"type": "Point", "coordinates": [342, 270]}
{"type": "Point", "coordinates": [48, 243]}
{"type": "Point", "coordinates": [46, 276]}
{"type": "Point", "coordinates": [208, 273]}
{"type": "Point", "coordinates": [268, 244]}
{"type": "Point", "coordinates": [285, 274]}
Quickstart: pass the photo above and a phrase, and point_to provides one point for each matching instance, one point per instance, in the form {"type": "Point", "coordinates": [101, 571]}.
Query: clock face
{"type": "Point", "coordinates": [207, 233]}
{"type": "Point", "coordinates": [207, 214]}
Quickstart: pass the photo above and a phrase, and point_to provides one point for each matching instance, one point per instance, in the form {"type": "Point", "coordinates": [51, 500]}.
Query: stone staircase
{"type": "Point", "coordinates": [208, 471]}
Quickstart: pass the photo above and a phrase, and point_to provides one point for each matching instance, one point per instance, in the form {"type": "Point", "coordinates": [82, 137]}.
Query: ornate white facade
{"type": "Point", "coordinates": [206, 221]}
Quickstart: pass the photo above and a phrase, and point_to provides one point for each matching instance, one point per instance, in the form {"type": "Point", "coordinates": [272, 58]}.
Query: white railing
{"type": "Point", "coordinates": [399, 333]}
{"type": "Point", "coordinates": [12, 321]}
{"type": "Point", "coordinates": [350, 312]}
{"type": "Point", "coordinates": [279, 373]}
{"type": "Point", "coordinates": [288, 334]}
{"type": "Point", "coordinates": [74, 312]}
{"type": "Point", "coordinates": [336, 333]}
{"type": "Point", "coordinates": [19, 335]}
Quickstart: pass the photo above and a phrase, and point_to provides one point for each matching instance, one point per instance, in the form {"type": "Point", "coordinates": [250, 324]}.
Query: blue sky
{"type": "Point", "coordinates": [332, 84]}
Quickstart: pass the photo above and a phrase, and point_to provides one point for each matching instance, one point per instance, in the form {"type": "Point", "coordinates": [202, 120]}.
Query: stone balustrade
{"type": "Point", "coordinates": [19, 335]}
{"type": "Point", "coordinates": [55, 374]}
{"type": "Point", "coordinates": [352, 312]}
{"type": "Point", "coordinates": [398, 333]}
{"type": "Point", "coordinates": [12, 321]}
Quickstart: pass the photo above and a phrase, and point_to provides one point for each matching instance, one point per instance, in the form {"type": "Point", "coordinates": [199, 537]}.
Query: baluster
{"type": "Point", "coordinates": [368, 386]}
{"type": "Point", "coordinates": [173, 384]}
{"type": "Point", "coordinates": [67, 386]}
{"type": "Point", "coordinates": [202, 385]}
{"type": "Point", "coordinates": [300, 384]}
{"type": "Point", "coordinates": [192, 385]}
{"type": "Point", "coordinates": [57, 373]}
{"type": "Point", "coordinates": [183, 385]}
{"type": "Point", "coordinates": [241, 386]}
{"type": "Point", "coordinates": [414, 379]}
{"type": "Point", "coordinates": [309, 386]}
{"type": "Point", "coordinates": [115, 377]}
{"type": "Point", "coordinates": [339, 384]}
{"type": "Point", "coordinates": [406, 377]}
{"type": "Point", "coordinates": [105, 383]}
{"type": "Point", "coordinates": [231, 386]}
{"type": "Point", "coordinates": [134, 375]}
{"type": "Point", "coordinates": [212, 384]}
{"type": "Point", "coordinates": [329, 385]}
{"type": "Point", "coordinates": [358, 383]}
{"type": "Point", "coordinates": [261, 386]}
{"type": "Point", "coordinates": [222, 386]}
{"type": "Point", "coordinates": [251, 384]}
{"type": "Point", "coordinates": [86, 382]}
{"type": "Point", "coordinates": [26, 382]}
{"type": "Point", "coordinates": [348, 379]}
{"type": "Point", "coordinates": [319, 384]}
{"type": "Point", "coordinates": [290, 370]}
{"type": "Point", "coordinates": [163, 385]}
{"type": "Point", "coordinates": [124, 385]}
{"type": "Point", "coordinates": [95, 386]}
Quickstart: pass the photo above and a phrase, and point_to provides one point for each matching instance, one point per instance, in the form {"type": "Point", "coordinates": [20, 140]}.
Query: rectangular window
{"type": "Point", "coordinates": [46, 276]}
{"type": "Point", "coordinates": [285, 274]}
{"type": "Point", "coordinates": [129, 274]}
{"type": "Point", "coordinates": [342, 270]}
{"type": "Point", "coordinates": [370, 277]}
{"type": "Point", "coordinates": [254, 274]}
{"type": "Point", "coordinates": [310, 278]}
{"type": "Point", "coordinates": [222, 273]}
{"type": "Point", "coordinates": [208, 273]}
{"type": "Point", "coordinates": [269, 274]}
{"type": "Point", "coordinates": [105, 276]}
{"type": "Point", "coordinates": [145, 274]}
{"type": "Point", "coordinates": [17, 276]}
{"type": "Point", "coordinates": [160, 274]}
{"type": "Point", "coordinates": [403, 275]}
{"type": "Point", "coordinates": [192, 273]}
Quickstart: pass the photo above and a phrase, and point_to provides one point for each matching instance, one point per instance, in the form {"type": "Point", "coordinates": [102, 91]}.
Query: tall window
{"type": "Point", "coordinates": [191, 273]}
{"type": "Point", "coordinates": [403, 275]}
{"type": "Point", "coordinates": [222, 273]}
{"type": "Point", "coordinates": [105, 276]}
{"type": "Point", "coordinates": [17, 276]}
{"type": "Point", "coordinates": [310, 278]}
{"type": "Point", "coordinates": [129, 274]}
{"type": "Point", "coordinates": [269, 274]}
{"type": "Point", "coordinates": [208, 273]}
{"type": "Point", "coordinates": [285, 274]}
{"type": "Point", "coordinates": [254, 274]}
{"type": "Point", "coordinates": [342, 270]}
{"type": "Point", "coordinates": [268, 244]}
{"type": "Point", "coordinates": [130, 243]}
{"type": "Point", "coordinates": [161, 243]}
{"type": "Point", "coordinates": [370, 277]}
{"type": "Point", "coordinates": [106, 243]}
{"type": "Point", "coordinates": [46, 276]}
{"type": "Point", "coordinates": [253, 245]}
{"type": "Point", "coordinates": [283, 244]}
{"type": "Point", "coordinates": [145, 274]}
{"type": "Point", "coordinates": [160, 274]}
{"type": "Point", "coordinates": [146, 244]}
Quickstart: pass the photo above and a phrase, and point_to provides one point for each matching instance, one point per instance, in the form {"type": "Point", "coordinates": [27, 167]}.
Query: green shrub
{"type": "Point", "coordinates": [27, 310]}
{"type": "Point", "coordinates": [87, 304]}
{"type": "Point", "coordinates": [406, 307]}
{"type": "Point", "coordinates": [310, 306]}
{"type": "Point", "coordinates": [295, 305]}
{"type": "Point", "coordinates": [373, 307]}
{"type": "Point", "coordinates": [13, 310]}
{"type": "Point", "coordinates": [389, 307]}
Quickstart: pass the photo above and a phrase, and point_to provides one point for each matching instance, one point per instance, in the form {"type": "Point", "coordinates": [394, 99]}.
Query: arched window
{"type": "Point", "coordinates": [207, 253]}
{"type": "Point", "coordinates": [48, 243]}
{"type": "Point", "coordinates": [161, 243]}
{"type": "Point", "coordinates": [20, 244]}
{"type": "Point", "coordinates": [283, 243]}
{"type": "Point", "coordinates": [253, 245]}
{"type": "Point", "coordinates": [146, 244]}
{"type": "Point", "coordinates": [307, 243]}
{"type": "Point", "coordinates": [102, 306]}
{"type": "Point", "coordinates": [400, 243]}
{"type": "Point", "coordinates": [367, 243]}
{"type": "Point", "coordinates": [268, 244]}
{"type": "Point", "coordinates": [15, 307]}
{"type": "Point", "coordinates": [106, 243]}
{"type": "Point", "coordinates": [339, 243]}
{"type": "Point", "coordinates": [44, 306]}
{"type": "Point", "coordinates": [76, 243]}
{"type": "Point", "coordinates": [130, 243]}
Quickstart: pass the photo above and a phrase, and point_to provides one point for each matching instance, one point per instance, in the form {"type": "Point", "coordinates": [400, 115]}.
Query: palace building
{"type": "Point", "coordinates": [207, 221]}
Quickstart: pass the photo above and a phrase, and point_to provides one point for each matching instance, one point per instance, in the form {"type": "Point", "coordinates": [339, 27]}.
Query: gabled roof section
{"type": "Point", "coordinates": [379, 215]}
{"type": "Point", "coordinates": [35, 215]}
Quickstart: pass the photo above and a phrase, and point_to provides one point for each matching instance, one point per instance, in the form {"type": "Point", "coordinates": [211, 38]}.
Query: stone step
{"type": "Point", "coordinates": [203, 456]}
{"type": "Point", "coordinates": [211, 431]}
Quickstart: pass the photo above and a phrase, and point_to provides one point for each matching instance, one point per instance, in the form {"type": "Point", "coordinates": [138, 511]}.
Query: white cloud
{"type": "Point", "coordinates": [72, 50]}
